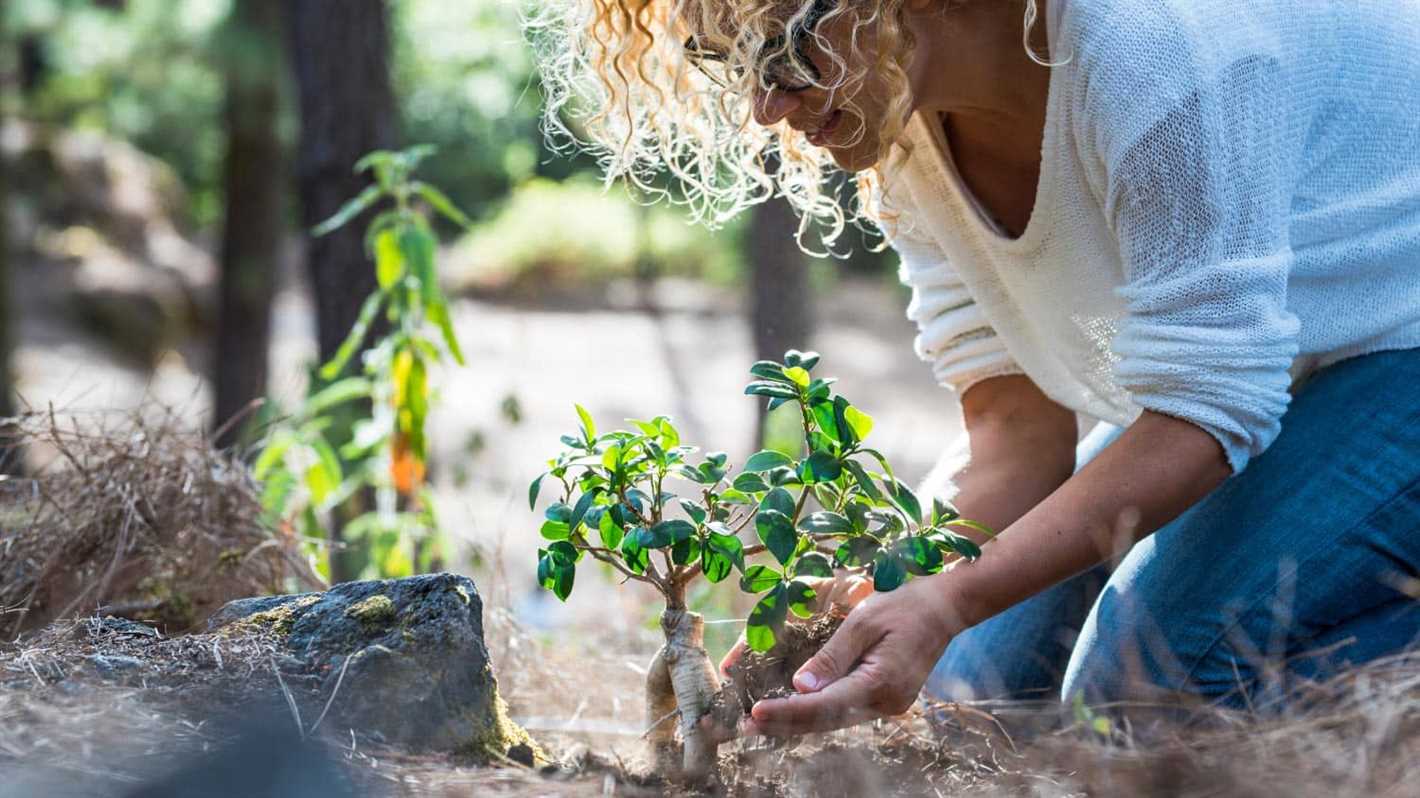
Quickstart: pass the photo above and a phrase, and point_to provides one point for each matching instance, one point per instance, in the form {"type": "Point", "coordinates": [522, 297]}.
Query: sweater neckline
{"type": "Point", "coordinates": [978, 219]}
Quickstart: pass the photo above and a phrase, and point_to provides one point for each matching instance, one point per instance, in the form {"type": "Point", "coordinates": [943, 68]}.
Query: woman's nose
{"type": "Point", "coordinates": [773, 105]}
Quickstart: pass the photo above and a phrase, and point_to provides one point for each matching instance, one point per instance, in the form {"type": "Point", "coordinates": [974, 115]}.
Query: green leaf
{"type": "Point", "coordinates": [666, 533]}
{"type": "Point", "coordinates": [759, 578]}
{"type": "Point", "coordinates": [813, 564]}
{"type": "Point", "coordinates": [583, 505]}
{"type": "Point", "coordinates": [637, 558]}
{"type": "Point", "coordinates": [778, 499]}
{"type": "Point", "coordinates": [610, 531]}
{"type": "Point", "coordinates": [338, 392]}
{"type": "Point", "coordinates": [976, 525]}
{"type": "Point", "coordinates": [749, 482]}
{"type": "Point", "coordinates": [589, 427]}
{"type": "Point", "coordinates": [919, 555]}
{"type": "Point", "coordinates": [272, 455]}
{"type": "Point", "coordinates": [856, 551]}
{"type": "Point", "coordinates": [821, 467]}
{"type": "Point", "coordinates": [767, 460]}
{"type": "Point", "coordinates": [827, 424]}
{"type": "Point", "coordinates": [721, 554]}
{"type": "Point", "coordinates": [801, 597]}
{"type": "Point", "coordinates": [555, 530]}
{"type": "Point", "coordinates": [734, 496]}
{"type": "Point", "coordinates": [906, 500]}
{"type": "Point", "coordinates": [769, 370]}
{"type": "Point", "coordinates": [565, 550]}
{"type": "Point", "coordinates": [818, 391]}
{"type": "Point", "coordinates": [943, 512]}
{"type": "Point", "coordinates": [556, 572]}
{"type": "Point", "coordinates": [766, 619]}
{"type": "Point", "coordinates": [695, 511]}
{"type": "Point", "coordinates": [825, 523]}
{"type": "Point", "coordinates": [797, 376]}
{"type": "Point", "coordinates": [389, 259]}
{"type": "Point", "coordinates": [441, 203]}
{"type": "Point", "coordinates": [559, 511]}
{"type": "Point", "coordinates": [772, 389]}
{"type": "Point", "coordinates": [533, 490]}
{"type": "Point", "coordinates": [777, 532]}
{"type": "Point", "coordinates": [888, 572]}
{"type": "Point", "coordinates": [861, 423]}
{"type": "Point", "coordinates": [685, 552]}
{"type": "Point", "coordinates": [805, 360]}
{"type": "Point", "coordinates": [857, 511]}
{"type": "Point", "coordinates": [960, 544]}
{"type": "Point", "coordinates": [329, 463]}
{"type": "Point", "coordinates": [612, 458]}
{"type": "Point", "coordinates": [352, 342]}
{"type": "Point", "coordinates": [438, 312]}
{"type": "Point", "coordinates": [347, 211]}
{"type": "Point", "coordinates": [865, 482]}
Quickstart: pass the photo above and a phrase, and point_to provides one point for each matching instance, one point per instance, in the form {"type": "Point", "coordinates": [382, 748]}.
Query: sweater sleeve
{"type": "Point", "coordinates": [1191, 136]}
{"type": "Point", "coordinates": [953, 335]}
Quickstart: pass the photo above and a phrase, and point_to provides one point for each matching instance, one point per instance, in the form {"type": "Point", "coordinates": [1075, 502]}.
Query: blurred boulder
{"type": "Point", "coordinates": [105, 222]}
{"type": "Point", "coordinates": [402, 657]}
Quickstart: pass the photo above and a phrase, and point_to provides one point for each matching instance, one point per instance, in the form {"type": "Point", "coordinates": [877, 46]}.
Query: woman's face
{"type": "Point", "coordinates": [844, 110]}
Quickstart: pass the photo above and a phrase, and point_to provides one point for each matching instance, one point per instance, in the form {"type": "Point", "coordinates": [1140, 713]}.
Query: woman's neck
{"type": "Point", "coordinates": [970, 64]}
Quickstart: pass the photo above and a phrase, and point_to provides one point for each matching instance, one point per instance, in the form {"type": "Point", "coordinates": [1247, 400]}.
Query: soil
{"type": "Point", "coordinates": [771, 674]}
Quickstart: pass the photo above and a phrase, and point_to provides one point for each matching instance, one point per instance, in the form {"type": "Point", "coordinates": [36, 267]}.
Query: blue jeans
{"type": "Point", "coordinates": [1304, 563]}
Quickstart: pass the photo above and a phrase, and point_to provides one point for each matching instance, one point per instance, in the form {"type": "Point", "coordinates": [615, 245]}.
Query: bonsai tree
{"type": "Point", "coordinates": [839, 509]}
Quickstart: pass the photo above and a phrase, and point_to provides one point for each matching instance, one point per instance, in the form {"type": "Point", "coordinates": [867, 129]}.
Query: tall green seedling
{"type": "Point", "coordinates": [771, 529]}
{"type": "Point", "coordinates": [305, 477]}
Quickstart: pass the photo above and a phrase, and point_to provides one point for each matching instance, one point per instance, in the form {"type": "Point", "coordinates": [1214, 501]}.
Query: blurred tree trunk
{"type": "Point", "coordinates": [340, 55]}
{"type": "Point", "coordinates": [781, 306]}
{"type": "Point", "coordinates": [340, 52]}
{"type": "Point", "coordinates": [253, 228]}
{"type": "Point", "coordinates": [11, 458]}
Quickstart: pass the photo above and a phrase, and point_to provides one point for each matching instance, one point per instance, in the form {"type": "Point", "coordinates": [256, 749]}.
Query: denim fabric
{"type": "Point", "coordinates": [1307, 561]}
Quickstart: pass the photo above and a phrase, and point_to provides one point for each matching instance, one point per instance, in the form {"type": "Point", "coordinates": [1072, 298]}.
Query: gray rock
{"type": "Point", "coordinates": [111, 664]}
{"type": "Point", "coordinates": [411, 651]}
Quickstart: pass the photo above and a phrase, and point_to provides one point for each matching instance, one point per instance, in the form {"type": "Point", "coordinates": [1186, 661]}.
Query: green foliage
{"type": "Point", "coordinates": [304, 477]}
{"type": "Point", "coordinates": [599, 236]}
{"type": "Point", "coordinates": [838, 507]}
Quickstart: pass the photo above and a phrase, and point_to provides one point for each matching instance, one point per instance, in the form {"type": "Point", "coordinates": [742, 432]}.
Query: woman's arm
{"type": "Point", "coordinates": [1022, 449]}
{"type": "Point", "coordinates": [878, 660]}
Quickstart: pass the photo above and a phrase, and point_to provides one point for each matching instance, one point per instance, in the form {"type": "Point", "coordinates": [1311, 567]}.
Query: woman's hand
{"type": "Point", "coordinates": [873, 666]}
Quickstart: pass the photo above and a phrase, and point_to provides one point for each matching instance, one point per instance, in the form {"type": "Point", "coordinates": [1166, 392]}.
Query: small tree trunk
{"type": "Point", "coordinates": [255, 182]}
{"type": "Point", "coordinates": [682, 679]}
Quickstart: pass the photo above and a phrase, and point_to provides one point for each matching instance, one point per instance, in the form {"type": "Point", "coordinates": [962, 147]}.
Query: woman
{"type": "Point", "coordinates": [1197, 221]}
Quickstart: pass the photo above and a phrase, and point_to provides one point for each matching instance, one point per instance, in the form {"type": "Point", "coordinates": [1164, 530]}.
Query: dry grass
{"type": "Point", "coordinates": [139, 517]}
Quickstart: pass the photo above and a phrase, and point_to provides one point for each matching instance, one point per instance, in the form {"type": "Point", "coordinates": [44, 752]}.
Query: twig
{"type": "Point", "coordinates": [663, 719]}
{"type": "Point", "coordinates": [335, 691]}
{"type": "Point", "coordinates": [290, 700]}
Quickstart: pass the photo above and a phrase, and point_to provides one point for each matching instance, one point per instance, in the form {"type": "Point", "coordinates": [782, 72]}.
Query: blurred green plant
{"type": "Point", "coordinates": [577, 234]}
{"type": "Point", "coordinates": [304, 477]}
{"type": "Point", "coordinates": [614, 507]}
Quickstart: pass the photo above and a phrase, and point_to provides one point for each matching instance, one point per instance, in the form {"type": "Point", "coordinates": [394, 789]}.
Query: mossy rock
{"type": "Point", "coordinates": [415, 665]}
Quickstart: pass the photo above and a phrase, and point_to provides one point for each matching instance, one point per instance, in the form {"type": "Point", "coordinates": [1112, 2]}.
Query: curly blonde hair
{"type": "Point", "coordinates": [618, 81]}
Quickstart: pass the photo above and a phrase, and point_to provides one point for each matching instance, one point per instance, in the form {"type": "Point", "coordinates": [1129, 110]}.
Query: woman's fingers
{"type": "Point", "coordinates": [837, 657]}
{"type": "Point", "coordinates": [842, 703]}
{"type": "Point", "coordinates": [732, 657]}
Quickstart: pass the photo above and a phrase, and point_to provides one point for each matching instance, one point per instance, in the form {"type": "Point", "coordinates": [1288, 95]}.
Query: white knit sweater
{"type": "Point", "coordinates": [1229, 199]}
